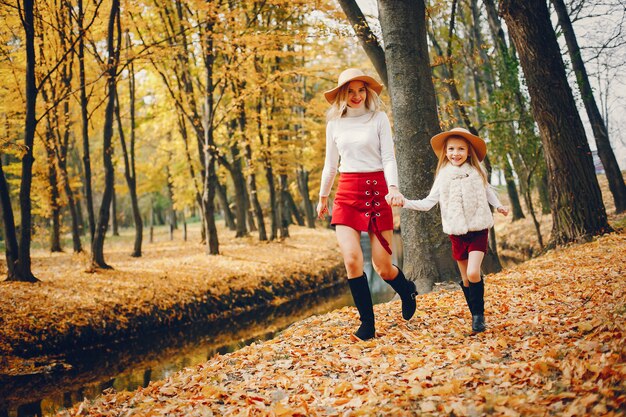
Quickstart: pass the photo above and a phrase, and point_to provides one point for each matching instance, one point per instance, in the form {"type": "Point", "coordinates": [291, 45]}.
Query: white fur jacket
{"type": "Point", "coordinates": [464, 199]}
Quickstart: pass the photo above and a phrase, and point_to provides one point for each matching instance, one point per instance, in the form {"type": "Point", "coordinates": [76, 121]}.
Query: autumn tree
{"type": "Point", "coordinates": [113, 48]}
{"type": "Point", "coordinates": [426, 248]}
{"type": "Point", "coordinates": [577, 208]}
{"type": "Point", "coordinates": [598, 126]}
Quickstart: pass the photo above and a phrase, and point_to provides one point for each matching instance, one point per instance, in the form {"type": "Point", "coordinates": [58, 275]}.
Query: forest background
{"type": "Point", "coordinates": [121, 114]}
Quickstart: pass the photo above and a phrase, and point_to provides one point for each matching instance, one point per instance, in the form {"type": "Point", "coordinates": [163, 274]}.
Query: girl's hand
{"type": "Point", "coordinates": [503, 210]}
{"type": "Point", "coordinates": [394, 198]}
{"type": "Point", "coordinates": [322, 207]}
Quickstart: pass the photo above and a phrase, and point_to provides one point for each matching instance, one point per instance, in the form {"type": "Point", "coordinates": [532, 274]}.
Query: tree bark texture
{"type": "Point", "coordinates": [600, 133]}
{"type": "Point", "coordinates": [426, 248]}
{"type": "Point", "coordinates": [577, 208]}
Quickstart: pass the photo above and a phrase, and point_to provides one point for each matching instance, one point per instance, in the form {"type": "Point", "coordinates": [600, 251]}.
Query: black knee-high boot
{"type": "Point", "coordinates": [363, 302]}
{"type": "Point", "coordinates": [467, 297]}
{"type": "Point", "coordinates": [477, 301]}
{"type": "Point", "coordinates": [407, 292]}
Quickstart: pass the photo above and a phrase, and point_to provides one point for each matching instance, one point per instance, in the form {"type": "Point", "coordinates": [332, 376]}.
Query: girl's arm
{"type": "Point", "coordinates": [425, 204]}
{"type": "Point", "coordinates": [493, 200]}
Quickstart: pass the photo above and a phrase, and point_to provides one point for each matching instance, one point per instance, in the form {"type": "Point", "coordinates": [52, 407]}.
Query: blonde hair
{"type": "Point", "coordinates": [472, 158]}
{"type": "Point", "coordinates": [339, 107]}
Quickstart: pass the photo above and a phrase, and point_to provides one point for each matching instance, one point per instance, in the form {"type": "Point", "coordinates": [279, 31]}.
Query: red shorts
{"type": "Point", "coordinates": [360, 203]}
{"type": "Point", "coordinates": [462, 245]}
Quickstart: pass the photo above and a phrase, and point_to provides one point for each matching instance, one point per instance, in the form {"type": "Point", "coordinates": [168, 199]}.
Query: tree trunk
{"type": "Point", "coordinates": [22, 271]}
{"type": "Point", "coordinates": [426, 247]}
{"type": "Point", "coordinates": [129, 157]}
{"type": "Point", "coordinates": [97, 246]}
{"type": "Point", "coordinates": [114, 224]}
{"type": "Point", "coordinates": [222, 198]}
{"type": "Point", "coordinates": [210, 179]}
{"type": "Point", "coordinates": [293, 207]}
{"type": "Point", "coordinates": [303, 186]}
{"type": "Point", "coordinates": [254, 198]}
{"type": "Point", "coordinates": [239, 183]}
{"type": "Point", "coordinates": [284, 214]}
{"type": "Point", "coordinates": [368, 40]}
{"type": "Point", "coordinates": [600, 133]}
{"type": "Point", "coordinates": [511, 189]}
{"type": "Point", "coordinates": [269, 177]}
{"type": "Point", "coordinates": [577, 208]}
{"type": "Point", "coordinates": [85, 121]}
{"type": "Point", "coordinates": [10, 236]}
{"type": "Point", "coordinates": [55, 231]}
{"type": "Point", "coordinates": [544, 193]}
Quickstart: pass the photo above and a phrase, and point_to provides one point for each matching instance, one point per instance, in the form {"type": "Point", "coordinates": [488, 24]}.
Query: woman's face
{"type": "Point", "coordinates": [457, 151]}
{"type": "Point", "coordinates": [356, 94]}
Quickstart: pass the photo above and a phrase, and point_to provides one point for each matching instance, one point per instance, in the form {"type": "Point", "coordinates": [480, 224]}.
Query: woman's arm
{"type": "Point", "coordinates": [330, 163]}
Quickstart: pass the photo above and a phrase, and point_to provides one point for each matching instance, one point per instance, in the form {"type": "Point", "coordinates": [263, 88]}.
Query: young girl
{"type": "Point", "coordinates": [464, 195]}
{"type": "Point", "coordinates": [359, 133]}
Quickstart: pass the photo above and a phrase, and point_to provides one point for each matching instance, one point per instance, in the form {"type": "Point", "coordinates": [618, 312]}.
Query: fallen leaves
{"type": "Point", "coordinates": [559, 348]}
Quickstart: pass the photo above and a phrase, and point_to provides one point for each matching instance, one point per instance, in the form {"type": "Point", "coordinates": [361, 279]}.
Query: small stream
{"type": "Point", "coordinates": [132, 364]}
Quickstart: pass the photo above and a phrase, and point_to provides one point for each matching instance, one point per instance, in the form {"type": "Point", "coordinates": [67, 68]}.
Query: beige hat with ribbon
{"type": "Point", "coordinates": [479, 145]}
{"type": "Point", "coordinates": [352, 74]}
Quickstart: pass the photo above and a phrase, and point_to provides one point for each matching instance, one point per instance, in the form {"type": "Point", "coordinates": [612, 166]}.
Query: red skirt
{"type": "Point", "coordinates": [360, 204]}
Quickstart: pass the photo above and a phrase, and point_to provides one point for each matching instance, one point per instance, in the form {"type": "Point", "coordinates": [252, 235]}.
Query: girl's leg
{"type": "Point", "coordinates": [474, 261]}
{"type": "Point", "coordinates": [476, 290]}
{"type": "Point", "coordinates": [350, 245]}
{"type": "Point", "coordinates": [381, 259]}
{"type": "Point", "coordinates": [465, 283]}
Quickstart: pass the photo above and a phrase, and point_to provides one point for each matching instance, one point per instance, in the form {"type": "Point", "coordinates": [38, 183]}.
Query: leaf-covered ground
{"type": "Point", "coordinates": [555, 345]}
{"type": "Point", "coordinates": [172, 283]}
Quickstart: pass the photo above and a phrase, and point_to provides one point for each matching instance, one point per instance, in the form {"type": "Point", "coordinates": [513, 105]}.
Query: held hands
{"type": "Point", "coordinates": [322, 207]}
{"type": "Point", "coordinates": [394, 198]}
{"type": "Point", "coordinates": [503, 210]}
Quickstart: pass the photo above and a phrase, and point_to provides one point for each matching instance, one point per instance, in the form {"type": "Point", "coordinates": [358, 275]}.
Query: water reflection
{"type": "Point", "coordinates": [133, 364]}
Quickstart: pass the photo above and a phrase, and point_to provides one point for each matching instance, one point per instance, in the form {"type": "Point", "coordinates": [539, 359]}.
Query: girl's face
{"type": "Point", "coordinates": [457, 151]}
{"type": "Point", "coordinates": [356, 94]}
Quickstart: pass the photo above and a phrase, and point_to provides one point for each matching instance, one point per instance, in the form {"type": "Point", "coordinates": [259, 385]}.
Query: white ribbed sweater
{"type": "Point", "coordinates": [363, 141]}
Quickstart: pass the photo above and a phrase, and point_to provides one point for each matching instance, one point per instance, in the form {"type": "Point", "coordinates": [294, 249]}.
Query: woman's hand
{"type": "Point", "coordinates": [322, 207]}
{"type": "Point", "coordinates": [394, 197]}
{"type": "Point", "coordinates": [503, 210]}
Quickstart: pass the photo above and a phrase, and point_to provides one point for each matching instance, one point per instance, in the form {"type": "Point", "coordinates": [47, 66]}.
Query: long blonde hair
{"type": "Point", "coordinates": [472, 158]}
{"type": "Point", "coordinates": [340, 105]}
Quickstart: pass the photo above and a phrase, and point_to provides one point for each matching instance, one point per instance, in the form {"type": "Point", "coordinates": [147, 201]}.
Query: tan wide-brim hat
{"type": "Point", "coordinates": [438, 141]}
{"type": "Point", "coordinates": [352, 74]}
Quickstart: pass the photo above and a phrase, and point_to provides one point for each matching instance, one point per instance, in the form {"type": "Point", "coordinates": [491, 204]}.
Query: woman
{"type": "Point", "coordinates": [360, 134]}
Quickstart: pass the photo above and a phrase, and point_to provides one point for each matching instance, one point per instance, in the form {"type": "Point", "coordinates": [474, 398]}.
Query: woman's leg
{"type": "Point", "coordinates": [381, 259]}
{"type": "Point", "coordinates": [350, 245]}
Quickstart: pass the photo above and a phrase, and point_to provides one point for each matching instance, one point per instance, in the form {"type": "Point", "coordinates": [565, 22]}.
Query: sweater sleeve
{"type": "Point", "coordinates": [388, 157]}
{"type": "Point", "coordinates": [330, 163]}
{"type": "Point", "coordinates": [427, 203]}
{"type": "Point", "coordinates": [492, 198]}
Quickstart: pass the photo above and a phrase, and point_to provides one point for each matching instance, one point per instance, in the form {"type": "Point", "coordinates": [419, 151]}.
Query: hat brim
{"type": "Point", "coordinates": [437, 142]}
{"type": "Point", "coordinates": [330, 95]}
